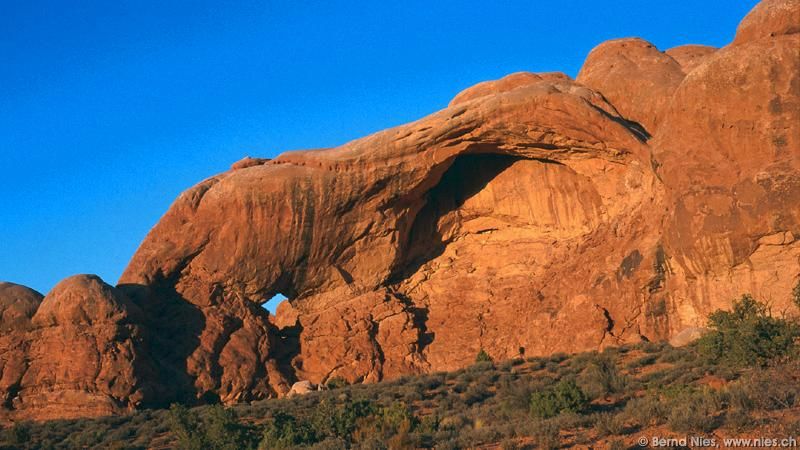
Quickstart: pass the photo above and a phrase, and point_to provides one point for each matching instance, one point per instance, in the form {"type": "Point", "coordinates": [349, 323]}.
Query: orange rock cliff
{"type": "Point", "coordinates": [535, 214]}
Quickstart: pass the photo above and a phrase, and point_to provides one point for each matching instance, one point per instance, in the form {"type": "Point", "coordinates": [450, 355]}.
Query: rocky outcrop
{"type": "Point", "coordinates": [534, 214]}
{"type": "Point", "coordinates": [636, 77]}
{"type": "Point", "coordinates": [769, 19]}
{"type": "Point", "coordinates": [18, 304]}
{"type": "Point", "coordinates": [728, 151]}
{"type": "Point", "coordinates": [690, 56]}
{"type": "Point", "coordinates": [80, 350]}
{"type": "Point", "coordinates": [410, 249]}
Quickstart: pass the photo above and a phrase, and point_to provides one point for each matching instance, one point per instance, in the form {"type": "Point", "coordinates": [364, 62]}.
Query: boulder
{"type": "Point", "coordinates": [303, 387]}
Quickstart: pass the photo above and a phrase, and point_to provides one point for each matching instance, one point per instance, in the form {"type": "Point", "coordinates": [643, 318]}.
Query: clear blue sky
{"type": "Point", "coordinates": [109, 109]}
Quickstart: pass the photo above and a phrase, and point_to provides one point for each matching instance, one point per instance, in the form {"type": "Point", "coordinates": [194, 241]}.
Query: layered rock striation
{"type": "Point", "coordinates": [534, 214]}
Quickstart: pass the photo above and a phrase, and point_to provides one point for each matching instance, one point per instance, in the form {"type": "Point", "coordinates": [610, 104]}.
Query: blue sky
{"type": "Point", "coordinates": [108, 110]}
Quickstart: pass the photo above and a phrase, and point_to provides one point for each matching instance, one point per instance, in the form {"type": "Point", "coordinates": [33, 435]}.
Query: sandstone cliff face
{"type": "Point", "coordinates": [728, 151]}
{"type": "Point", "coordinates": [535, 214]}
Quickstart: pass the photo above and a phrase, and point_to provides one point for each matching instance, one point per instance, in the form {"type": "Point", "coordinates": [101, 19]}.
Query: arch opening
{"type": "Point", "coordinates": [272, 303]}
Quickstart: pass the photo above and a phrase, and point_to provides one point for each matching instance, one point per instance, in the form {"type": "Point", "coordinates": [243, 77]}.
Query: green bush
{"type": "Point", "coordinates": [482, 356]}
{"type": "Point", "coordinates": [565, 396]}
{"type": "Point", "coordinates": [18, 435]}
{"type": "Point", "coordinates": [330, 419]}
{"type": "Point", "coordinates": [392, 425]}
{"type": "Point", "coordinates": [219, 429]}
{"type": "Point", "coordinates": [748, 335]}
{"type": "Point", "coordinates": [224, 432]}
{"type": "Point", "coordinates": [601, 377]}
{"type": "Point", "coordinates": [284, 431]}
{"type": "Point", "coordinates": [186, 426]}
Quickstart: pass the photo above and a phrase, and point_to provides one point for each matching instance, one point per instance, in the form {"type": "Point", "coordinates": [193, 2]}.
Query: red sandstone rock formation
{"type": "Point", "coordinates": [635, 77]}
{"type": "Point", "coordinates": [78, 351]}
{"type": "Point", "coordinates": [17, 305]}
{"type": "Point", "coordinates": [690, 56]}
{"type": "Point", "coordinates": [728, 152]}
{"type": "Point", "coordinates": [533, 215]}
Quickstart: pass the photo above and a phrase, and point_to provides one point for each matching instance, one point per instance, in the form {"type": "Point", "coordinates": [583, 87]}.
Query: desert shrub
{"type": "Point", "coordinates": [544, 404]}
{"type": "Point", "coordinates": [617, 444]}
{"type": "Point", "coordinates": [695, 411]}
{"type": "Point", "coordinates": [609, 424]}
{"type": "Point", "coordinates": [748, 335]}
{"type": "Point", "coordinates": [514, 397]}
{"type": "Point", "coordinates": [340, 420]}
{"type": "Point", "coordinates": [572, 420]}
{"type": "Point", "coordinates": [17, 436]}
{"type": "Point", "coordinates": [768, 389]}
{"type": "Point", "coordinates": [553, 367]}
{"type": "Point", "coordinates": [224, 432]}
{"type": "Point", "coordinates": [391, 425]}
{"type": "Point", "coordinates": [727, 373]}
{"type": "Point", "coordinates": [546, 435]}
{"type": "Point", "coordinates": [186, 427]}
{"type": "Point", "coordinates": [511, 444]}
{"type": "Point", "coordinates": [642, 362]}
{"type": "Point", "coordinates": [336, 383]}
{"type": "Point", "coordinates": [482, 356]}
{"type": "Point", "coordinates": [506, 365]}
{"type": "Point", "coordinates": [285, 431]}
{"type": "Point", "coordinates": [460, 387]}
{"type": "Point", "coordinates": [647, 410]}
{"type": "Point", "coordinates": [581, 360]}
{"type": "Point", "coordinates": [331, 443]}
{"type": "Point", "coordinates": [488, 378]}
{"type": "Point", "coordinates": [535, 362]}
{"type": "Point", "coordinates": [430, 382]}
{"type": "Point", "coordinates": [218, 429]}
{"type": "Point", "coordinates": [739, 419]}
{"type": "Point", "coordinates": [475, 394]}
{"type": "Point", "coordinates": [565, 396]}
{"type": "Point", "coordinates": [601, 377]}
{"type": "Point", "coordinates": [454, 422]}
{"type": "Point", "coordinates": [674, 355]}
{"type": "Point", "coordinates": [429, 424]}
{"type": "Point", "coordinates": [651, 347]}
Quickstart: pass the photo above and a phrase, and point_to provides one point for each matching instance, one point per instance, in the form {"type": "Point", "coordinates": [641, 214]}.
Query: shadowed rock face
{"type": "Point", "coordinates": [535, 214]}
{"type": "Point", "coordinates": [17, 305]}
